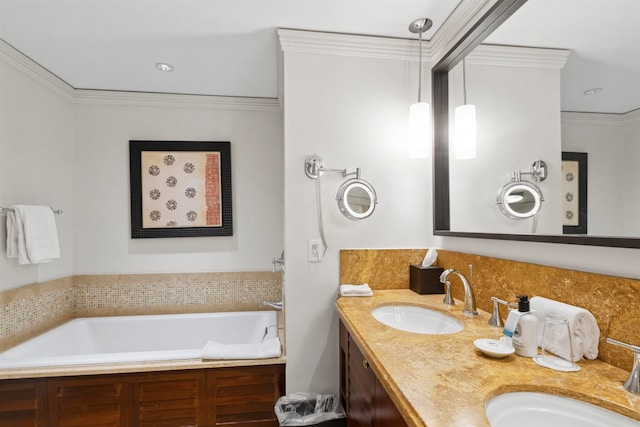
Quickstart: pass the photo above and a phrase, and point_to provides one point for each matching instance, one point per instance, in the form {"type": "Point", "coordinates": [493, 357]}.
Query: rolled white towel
{"type": "Point", "coordinates": [356, 290]}
{"type": "Point", "coordinates": [264, 350]}
{"type": "Point", "coordinates": [583, 327]}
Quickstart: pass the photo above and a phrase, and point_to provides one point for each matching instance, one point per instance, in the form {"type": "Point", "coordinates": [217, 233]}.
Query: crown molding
{"type": "Point", "coordinates": [47, 79]}
{"type": "Point", "coordinates": [85, 96]}
{"type": "Point", "coordinates": [29, 67]}
{"type": "Point", "coordinates": [301, 41]}
{"type": "Point", "coordinates": [518, 56]}
{"type": "Point", "coordinates": [599, 119]}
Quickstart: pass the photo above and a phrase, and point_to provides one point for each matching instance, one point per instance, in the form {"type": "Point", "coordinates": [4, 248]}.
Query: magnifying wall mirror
{"type": "Point", "coordinates": [356, 199]}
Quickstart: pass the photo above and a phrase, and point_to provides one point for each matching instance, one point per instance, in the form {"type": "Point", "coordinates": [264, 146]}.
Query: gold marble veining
{"type": "Point", "coordinates": [380, 268]}
{"type": "Point", "coordinates": [443, 381]}
{"type": "Point", "coordinates": [610, 299]}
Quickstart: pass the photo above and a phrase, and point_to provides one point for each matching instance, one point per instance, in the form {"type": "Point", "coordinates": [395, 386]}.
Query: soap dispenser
{"type": "Point", "coordinates": [522, 326]}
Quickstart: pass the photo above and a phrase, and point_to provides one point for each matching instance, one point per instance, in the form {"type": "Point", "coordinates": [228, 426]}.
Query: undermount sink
{"type": "Point", "coordinates": [529, 409]}
{"type": "Point", "coordinates": [420, 320]}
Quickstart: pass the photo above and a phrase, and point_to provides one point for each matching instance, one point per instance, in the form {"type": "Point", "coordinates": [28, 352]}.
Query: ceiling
{"type": "Point", "coordinates": [217, 47]}
{"type": "Point", "coordinates": [229, 47]}
{"type": "Point", "coordinates": [603, 36]}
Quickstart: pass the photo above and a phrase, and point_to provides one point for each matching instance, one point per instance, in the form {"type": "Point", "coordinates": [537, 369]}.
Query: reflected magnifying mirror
{"type": "Point", "coordinates": [519, 199]}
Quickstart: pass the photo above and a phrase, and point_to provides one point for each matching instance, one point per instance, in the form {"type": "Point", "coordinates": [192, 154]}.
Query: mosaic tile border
{"type": "Point", "coordinates": [31, 310]}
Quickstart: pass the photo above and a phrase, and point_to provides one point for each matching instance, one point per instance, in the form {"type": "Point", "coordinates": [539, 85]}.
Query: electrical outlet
{"type": "Point", "coordinates": [314, 253]}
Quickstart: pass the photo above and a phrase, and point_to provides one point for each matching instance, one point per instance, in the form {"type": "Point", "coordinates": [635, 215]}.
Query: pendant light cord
{"type": "Point", "coordinates": [419, 66]}
{"type": "Point", "coordinates": [464, 81]}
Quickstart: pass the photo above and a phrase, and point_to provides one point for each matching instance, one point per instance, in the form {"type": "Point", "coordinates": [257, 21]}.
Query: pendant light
{"type": "Point", "coordinates": [465, 125]}
{"type": "Point", "coordinates": [419, 116]}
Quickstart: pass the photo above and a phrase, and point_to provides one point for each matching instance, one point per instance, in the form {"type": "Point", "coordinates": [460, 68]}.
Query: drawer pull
{"type": "Point", "coordinates": [365, 364]}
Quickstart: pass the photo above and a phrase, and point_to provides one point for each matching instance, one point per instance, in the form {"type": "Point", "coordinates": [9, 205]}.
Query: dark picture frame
{"type": "Point", "coordinates": [574, 192]}
{"type": "Point", "coordinates": [180, 188]}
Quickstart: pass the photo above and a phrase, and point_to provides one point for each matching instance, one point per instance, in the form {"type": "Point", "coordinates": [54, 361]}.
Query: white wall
{"type": "Point", "coordinates": [36, 165]}
{"type": "Point", "coordinates": [103, 241]}
{"type": "Point", "coordinates": [612, 143]}
{"type": "Point", "coordinates": [630, 189]}
{"type": "Point", "coordinates": [353, 112]}
{"type": "Point", "coordinates": [69, 149]}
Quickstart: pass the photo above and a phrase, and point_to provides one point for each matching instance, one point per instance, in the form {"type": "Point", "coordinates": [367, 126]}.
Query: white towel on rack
{"type": "Point", "coordinates": [32, 236]}
{"type": "Point", "coordinates": [585, 334]}
{"type": "Point", "coordinates": [264, 350]}
{"type": "Point", "coordinates": [15, 238]}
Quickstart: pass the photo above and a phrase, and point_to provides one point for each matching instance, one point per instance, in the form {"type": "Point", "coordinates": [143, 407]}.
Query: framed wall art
{"type": "Point", "coordinates": [180, 189]}
{"type": "Point", "coordinates": [574, 193]}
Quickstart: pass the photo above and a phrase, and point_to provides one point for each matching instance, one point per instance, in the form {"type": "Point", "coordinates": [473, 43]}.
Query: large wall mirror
{"type": "Point", "coordinates": [555, 80]}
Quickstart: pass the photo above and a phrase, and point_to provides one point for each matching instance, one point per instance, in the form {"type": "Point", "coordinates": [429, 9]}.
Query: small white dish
{"type": "Point", "coordinates": [494, 348]}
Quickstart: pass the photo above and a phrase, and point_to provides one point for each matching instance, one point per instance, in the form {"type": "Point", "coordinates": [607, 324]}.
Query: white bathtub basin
{"type": "Point", "coordinates": [420, 320]}
{"type": "Point", "coordinates": [145, 338]}
{"type": "Point", "coordinates": [527, 409]}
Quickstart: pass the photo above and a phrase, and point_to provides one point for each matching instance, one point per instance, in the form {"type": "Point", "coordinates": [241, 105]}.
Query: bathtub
{"type": "Point", "coordinates": [120, 339]}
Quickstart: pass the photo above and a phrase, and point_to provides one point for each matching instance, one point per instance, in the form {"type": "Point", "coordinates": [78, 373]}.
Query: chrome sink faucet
{"type": "Point", "coordinates": [633, 382]}
{"type": "Point", "coordinates": [469, 300]}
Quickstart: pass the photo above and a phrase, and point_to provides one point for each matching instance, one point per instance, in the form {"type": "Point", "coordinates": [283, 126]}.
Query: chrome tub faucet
{"type": "Point", "coordinates": [273, 304]}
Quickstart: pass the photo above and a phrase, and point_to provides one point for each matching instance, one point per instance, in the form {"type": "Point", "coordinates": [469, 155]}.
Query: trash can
{"type": "Point", "coordinates": [310, 409]}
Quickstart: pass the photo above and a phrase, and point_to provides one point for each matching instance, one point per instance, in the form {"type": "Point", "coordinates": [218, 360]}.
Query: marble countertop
{"type": "Point", "coordinates": [444, 381]}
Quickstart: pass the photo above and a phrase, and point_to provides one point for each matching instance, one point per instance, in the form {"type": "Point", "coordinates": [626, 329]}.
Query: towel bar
{"type": "Point", "coordinates": [5, 210]}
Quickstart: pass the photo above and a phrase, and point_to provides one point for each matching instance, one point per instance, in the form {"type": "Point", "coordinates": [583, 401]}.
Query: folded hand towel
{"type": "Point", "coordinates": [356, 290]}
{"type": "Point", "coordinates": [583, 327]}
{"type": "Point", "coordinates": [264, 350]}
{"type": "Point", "coordinates": [32, 236]}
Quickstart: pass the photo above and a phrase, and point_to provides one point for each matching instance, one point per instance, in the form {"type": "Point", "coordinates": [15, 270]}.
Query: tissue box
{"type": "Point", "coordinates": [425, 280]}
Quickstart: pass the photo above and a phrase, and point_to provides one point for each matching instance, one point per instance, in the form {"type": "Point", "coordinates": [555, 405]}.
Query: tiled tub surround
{"type": "Point", "coordinates": [612, 300]}
{"type": "Point", "coordinates": [33, 309]}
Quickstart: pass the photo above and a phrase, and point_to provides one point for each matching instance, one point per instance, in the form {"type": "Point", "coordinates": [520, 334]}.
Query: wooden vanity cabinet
{"type": "Point", "coordinates": [365, 400]}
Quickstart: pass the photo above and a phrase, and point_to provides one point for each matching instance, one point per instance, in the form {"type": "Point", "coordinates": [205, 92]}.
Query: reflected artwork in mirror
{"type": "Point", "coordinates": [544, 116]}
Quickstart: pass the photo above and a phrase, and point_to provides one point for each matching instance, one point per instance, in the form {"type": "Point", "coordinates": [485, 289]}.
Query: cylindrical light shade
{"type": "Point", "coordinates": [419, 130]}
{"type": "Point", "coordinates": [465, 132]}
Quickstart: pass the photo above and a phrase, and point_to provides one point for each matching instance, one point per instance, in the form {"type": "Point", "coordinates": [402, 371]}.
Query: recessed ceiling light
{"type": "Point", "coordinates": [163, 66]}
{"type": "Point", "coordinates": [593, 91]}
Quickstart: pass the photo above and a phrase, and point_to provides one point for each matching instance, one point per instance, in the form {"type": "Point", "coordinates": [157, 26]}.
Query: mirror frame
{"type": "Point", "coordinates": [492, 19]}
